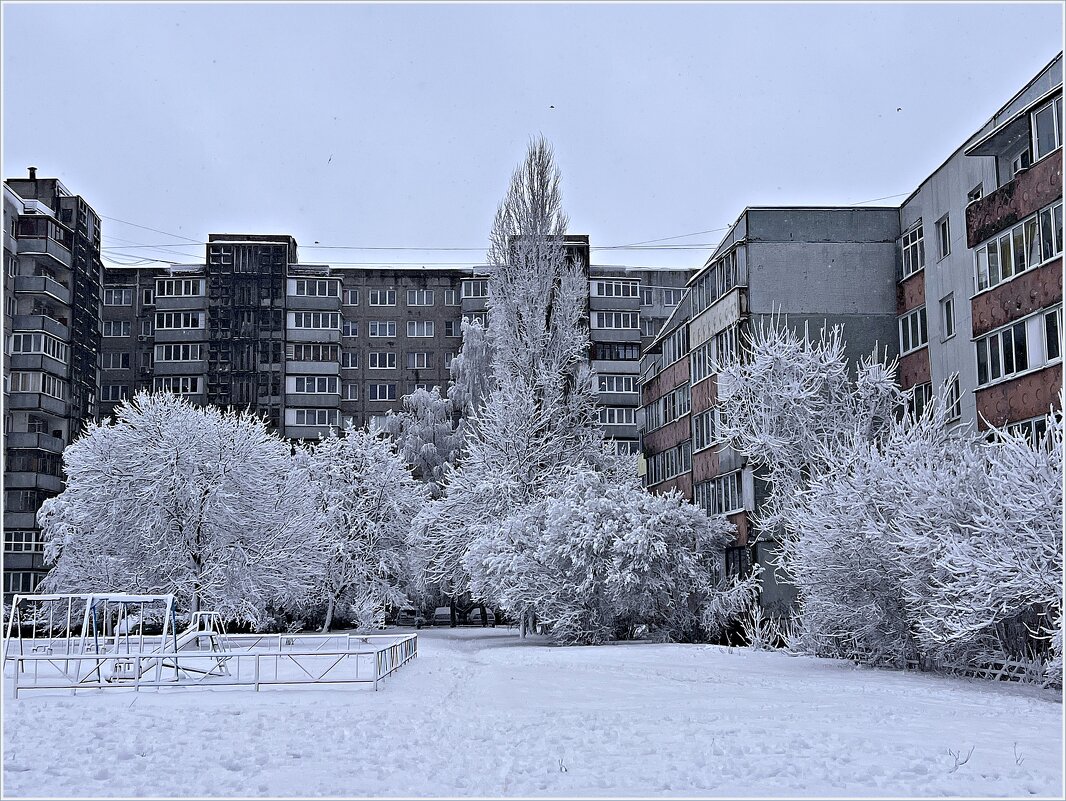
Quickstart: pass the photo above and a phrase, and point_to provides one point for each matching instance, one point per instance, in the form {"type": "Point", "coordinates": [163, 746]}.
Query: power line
{"type": "Point", "coordinates": [147, 228]}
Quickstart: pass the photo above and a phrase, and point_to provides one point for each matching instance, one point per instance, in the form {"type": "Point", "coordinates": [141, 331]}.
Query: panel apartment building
{"type": "Point", "coordinates": [52, 277]}
{"type": "Point", "coordinates": [312, 346]}
{"type": "Point", "coordinates": [817, 266]}
{"type": "Point", "coordinates": [963, 281]}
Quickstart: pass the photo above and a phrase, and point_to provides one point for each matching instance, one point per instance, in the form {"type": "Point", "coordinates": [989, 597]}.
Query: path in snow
{"type": "Point", "coordinates": [481, 712]}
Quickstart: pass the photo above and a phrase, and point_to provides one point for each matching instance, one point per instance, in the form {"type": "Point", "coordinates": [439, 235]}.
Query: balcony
{"type": "Point", "coordinates": [314, 335]}
{"type": "Point", "coordinates": [1026, 194]}
{"type": "Point", "coordinates": [313, 302]}
{"type": "Point", "coordinates": [313, 368]}
{"type": "Point", "coordinates": [34, 401]}
{"type": "Point", "coordinates": [44, 246]}
{"type": "Point", "coordinates": [41, 322]}
{"type": "Point", "coordinates": [25, 439]}
{"type": "Point", "coordinates": [42, 285]}
{"type": "Point", "coordinates": [317, 401]}
{"type": "Point", "coordinates": [42, 481]}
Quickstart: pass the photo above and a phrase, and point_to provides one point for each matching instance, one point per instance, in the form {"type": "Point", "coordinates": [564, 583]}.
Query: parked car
{"type": "Point", "coordinates": [442, 616]}
{"type": "Point", "coordinates": [409, 616]}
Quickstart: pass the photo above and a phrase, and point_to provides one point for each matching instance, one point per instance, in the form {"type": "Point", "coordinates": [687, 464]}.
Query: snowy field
{"type": "Point", "coordinates": [481, 712]}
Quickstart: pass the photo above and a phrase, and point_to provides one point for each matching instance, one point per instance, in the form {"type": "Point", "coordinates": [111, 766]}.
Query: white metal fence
{"type": "Point", "coordinates": [247, 660]}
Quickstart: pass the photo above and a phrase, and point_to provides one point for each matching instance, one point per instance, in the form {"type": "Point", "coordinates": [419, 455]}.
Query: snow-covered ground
{"type": "Point", "coordinates": [481, 712]}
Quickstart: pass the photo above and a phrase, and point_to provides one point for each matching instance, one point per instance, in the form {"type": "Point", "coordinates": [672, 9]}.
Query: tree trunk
{"type": "Point", "coordinates": [453, 615]}
{"type": "Point", "coordinates": [329, 616]}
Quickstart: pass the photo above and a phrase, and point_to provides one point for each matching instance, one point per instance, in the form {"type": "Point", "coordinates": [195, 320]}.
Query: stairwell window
{"type": "Point", "coordinates": [913, 333]}
{"type": "Point", "coordinates": [913, 250]}
{"type": "Point", "coordinates": [943, 236]}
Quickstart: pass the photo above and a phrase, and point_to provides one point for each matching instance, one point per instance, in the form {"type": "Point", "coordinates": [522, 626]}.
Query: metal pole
{"type": "Point", "coordinates": [257, 672]}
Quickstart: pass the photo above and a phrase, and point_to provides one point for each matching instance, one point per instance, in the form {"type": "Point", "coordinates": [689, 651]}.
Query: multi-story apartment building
{"type": "Point", "coordinates": [312, 346]}
{"type": "Point", "coordinates": [52, 277]}
{"type": "Point", "coordinates": [810, 266]}
{"type": "Point", "coordinates": [980, 289]}
{"type": "Point", "coordinates": [964, 281]}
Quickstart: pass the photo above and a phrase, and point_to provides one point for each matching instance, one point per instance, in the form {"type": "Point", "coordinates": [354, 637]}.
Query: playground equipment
{"type": "Point", "coordinates": [112, 641]}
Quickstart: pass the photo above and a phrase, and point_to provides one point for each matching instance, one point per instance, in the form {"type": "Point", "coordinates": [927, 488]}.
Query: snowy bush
{"type": "Point", "coordinates": [172, 498]}
{"type": "Point", "coordinates": [365, 499]}
{"type": "Point", "coordinates": [600, 557]}
{"type": "Point", "coordinates": [426, 435]}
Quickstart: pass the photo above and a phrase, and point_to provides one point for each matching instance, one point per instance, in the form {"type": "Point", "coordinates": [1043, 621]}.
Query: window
{"type": "Point", "coordinates": [178, 384]}
{"type": "Point", "coordinates": [618, 383]}
{"type": "Point", "coordinates": [417, 361]}
{"type": "Point", "coordinates": [1031, 242]}
{"type": "Point", "coordinates": [1047, 128]}
{"type": "Point", "coordinates": [382, 328]}
{"type": "Point", "coordinates": [350, 297]}
{"type": "Point", "coordinates": [351, 391]}
{"type": "Point", "coordinates": [670, 407]}
{"type": "Point", "coordinates": [147, 297]}
{"type": "Point", "coordinates": [701, 361]}
{"type": "Point", "coordinates": [675, 346]}
{"type": "Point", "coordinates": [645, 296]}
{"type": "Point", "coordinates": [117, 328]}
{"type": "Point", "coordinates": [479, 317]}
{"type": "Point", "coordinates": [476, 288]}
{"type": "Point", "coordinates": [720, 496]}
{"type": "Point", "coordinates": [41, 343]}
{"type": "Point", "coordinates": [349, 328]}
{"type": "Point", "coordinates": [118, 297]}
{"type": "Point", "coordinates": [943, 236]}
{"type": "Point", "coordinates": [112, 393]}
{"type": "Point", "coordinates": [669, 463]}
{"type": "Point", "coordinates": [671, 297]}
{"type": "Point", "coordinates": [1020, 162]}
{"type": "Point", "coordinates": [381, 297]}
{"type": "Point", "coordinates": [913, 250]}
{"type": "Point", "coordinates": [23, 541]}
{"type": "Point", "coordinates": [21, 581]}
{"type": "Point", "coordinates": [650, 326]}
{"type": "Point", "coordinates": [178, 353]}
{"type": "Point", "coordinates": [116, 361]}
{"type": "Point", "coordinates": [615, 289]}
{"type": "Point", "coordinates": [703, 430]}
{"type": "Point", "coordinates": [178, 319]}
{"type": "Point", "coordinates": [448, 359]}
{"type": "Point", "coordinates": [179, 287]}
{"type": "Point", "coordinates": [382, 392]}
{"type": "Point", "coordinates": [44, 383]}
{"type": "Point", "coordinates": [1053, 334]}
{"type": "Point", "coordinates": [912, 331]}
{"type": "Point", "coordinates": [921, 396]}
{"type": "Point", "coordinates": [146, 327]}
{"type": "Point", "coordinates": [976, 193]}
{"type": "Point", "coordinates": [715, 281]}
{"type": "Point", "coordinates": [954, 400]}
{"type": "Point", "coordinates": [614, 351]}
{"type": "Point", "coordinates": [1033, 430]}
{"type": "Point", "coordinates": [314, 287]}
{"type": "Point", "coordinates": [726, 347]}
{"type": "Point", "coordinates": [315, 417]}
{"type": "Point", "coordinates": [453, 328]}
{"type": "Point", "coordinates": [308, 319]}
{"type": "Point", "coordinates": [350, 360]}
{"type": "Point", "coordinates": [381, 360]}
{"type": "Point", "coordinates": [419, 297]}
{"type": "Point", "coordinates": [419, 328]}
{"type": "Point", "coordinates": [313, 384]}
{"type": "Point", "coordinates": [947, 316]}
{"type": "Point", "coordinates": [609, 319]}
{"type": "Point", "coordinates": [306, 352]}
{"type": "Point", "coordinates": [617, 415]}
{"type": "Point", "coordinates": [451, 297]}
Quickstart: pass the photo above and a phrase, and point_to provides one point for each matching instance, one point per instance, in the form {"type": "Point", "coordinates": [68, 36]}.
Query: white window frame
{"type": "Point", "coordinates": [382, 329]}
{"type": "Point", "coordinates": [420, 297]}
{"type": "Point", "coordinates": [426, 328]}
{"type": "Point", "coordinates": [947, 317]}
{"type": "Point", "coordinates": [1037, 230]}
{"type": "Point", "coordinates": [179, 320]}
{"type": "Point", "coordinates": [118, 296]}
{"type": "Point", "coordinates": [381, 297]}
{"type": "Point", "coordinates": [375, 393]}
{"type": "Point", "coordinates": [943, 237]}
{"type": "Point", "coordinates": [381, 360]}
{"type": "Point", "coordinates": [913, 331]}
{"type": "Point", "coordinates": [912, 248]}
{"type": "Point", "coordinates": [417, 360]}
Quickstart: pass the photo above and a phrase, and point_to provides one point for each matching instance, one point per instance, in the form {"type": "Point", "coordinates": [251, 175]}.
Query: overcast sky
{"type": "Point", "coordinates": [399, 125]}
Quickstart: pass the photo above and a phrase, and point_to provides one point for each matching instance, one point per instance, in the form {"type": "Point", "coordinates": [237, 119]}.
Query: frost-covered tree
{"type": "Point", "coordinates": [365, 499]}
{"type": "Point", "coordinates": [471, 371]}
{"type": "Point", "coordinates": [199, 502]}
{"type": "Point", "coordinates": [426, 435]}
{"type": "Point", "coordinates": [539, 414]}
{"type": "Point", "coordinates": [599, 556]}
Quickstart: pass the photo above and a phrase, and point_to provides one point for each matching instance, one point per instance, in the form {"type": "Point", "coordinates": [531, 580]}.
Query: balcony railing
{"type": "Point", "coordinates": [1025, 194]}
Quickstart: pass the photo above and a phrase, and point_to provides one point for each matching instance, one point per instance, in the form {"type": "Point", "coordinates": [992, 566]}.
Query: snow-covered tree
{"type": "Point", "coordinates": [365, 499]}
{"type": "Point", "coordinates": [598, 557]}
{"type": "Point", "coordinates": [426, 435]}
{"type": "Point", "coordinates": [199, 502]}
{"type": "Point", "coordinates": [539, 414]}
{"type": "Point", "coordinates": [471, 371]}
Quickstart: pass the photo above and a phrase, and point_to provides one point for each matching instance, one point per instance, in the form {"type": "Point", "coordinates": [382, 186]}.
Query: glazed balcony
{"type": "Point", "coordinates": [1025, 194]}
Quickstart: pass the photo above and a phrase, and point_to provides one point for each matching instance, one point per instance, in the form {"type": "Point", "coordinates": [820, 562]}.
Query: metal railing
{"type": "Point", "coordinates": [249, 660]}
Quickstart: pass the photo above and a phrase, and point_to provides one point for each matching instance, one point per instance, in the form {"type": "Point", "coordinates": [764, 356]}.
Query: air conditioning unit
{"type": "Point", "coordinates": [142, 337]}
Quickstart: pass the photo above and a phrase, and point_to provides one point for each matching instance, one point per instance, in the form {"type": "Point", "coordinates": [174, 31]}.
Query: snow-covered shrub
{"type": "Point", "coordinates": [601, 557]}
{"type": "Point", "coordinates": [172, 498]}
{"type": "Point", "coordinates": [365, 499]}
